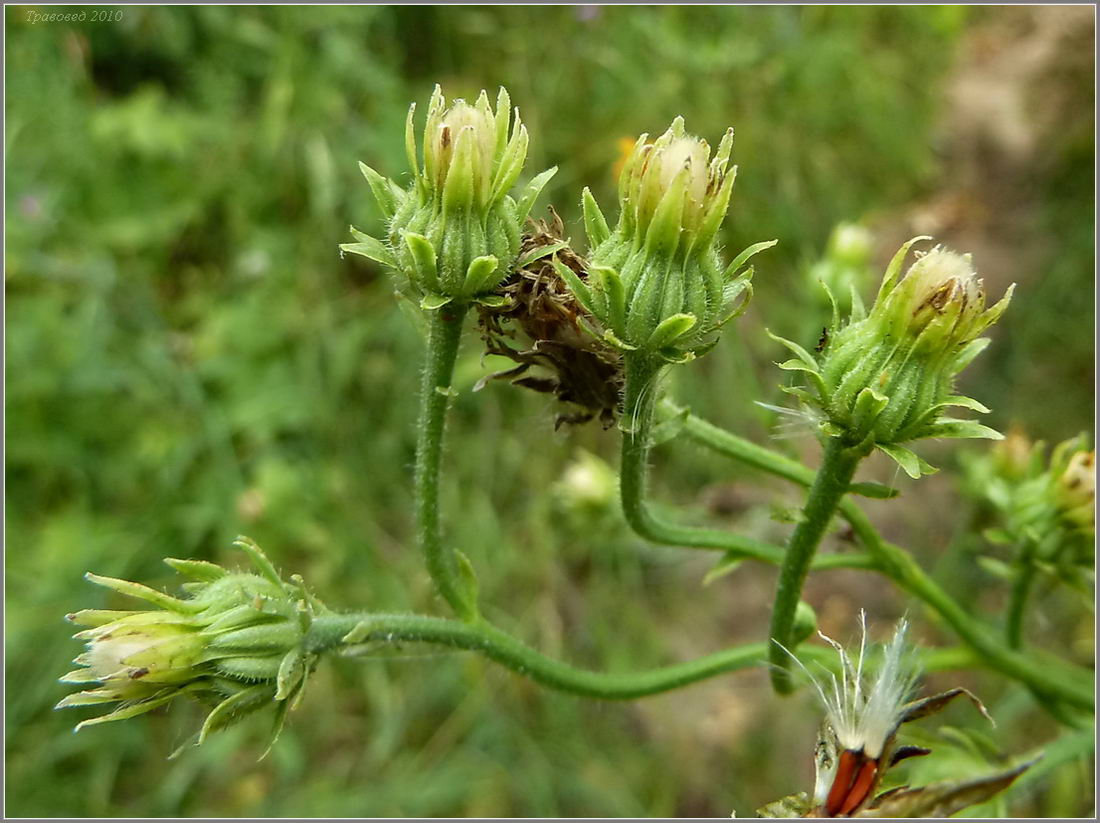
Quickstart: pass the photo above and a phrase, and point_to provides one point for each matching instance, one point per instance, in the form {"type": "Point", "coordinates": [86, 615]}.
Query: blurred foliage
{"type": "Point", "coordinates": [189, 358]}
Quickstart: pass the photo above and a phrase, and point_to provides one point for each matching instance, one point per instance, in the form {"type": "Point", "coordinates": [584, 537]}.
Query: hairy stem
{"type": "Point", "coordinates": [1045, 674]}
{"type": "Point", "coordinates": [639, 411]}
{"type": "Point", "coordinates": [1021, 590]}
{"type": "Point", "coordinates": [345, 631]}
{"type": "Point", "coordinates": [444, 333]}
{"type": "Point", "coordinates": [833, 479]}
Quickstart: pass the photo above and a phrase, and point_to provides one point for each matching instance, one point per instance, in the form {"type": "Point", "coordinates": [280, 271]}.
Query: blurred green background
{"type": "Point", "coordinates": [188, 358]}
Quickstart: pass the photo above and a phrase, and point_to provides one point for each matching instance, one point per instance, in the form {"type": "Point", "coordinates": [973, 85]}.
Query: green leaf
{"type": "Point", "coordinates": [894, 267]}
{"type": "Point", "coordinates": [291, 673]}
{"type": "Point", "coordinates": [424, 261]}
{"type": "Point", "coordinates": [576, 285]}
{"type": "Point", "coordinates": [727, 564]}
{"type": "Point", "coordinates": [467, 578]}
{"type": "Point", "coordinates": [868, 406]}
{"type": "Point", "coordinates": [743, 257]}
{"type": "Point", "coordinates": [540, 252]}
{"type": "Point", "coordinates": [876, 491]}
{"type": "Point", "coordinates": [128, 710]}
{"type": "Point", "coordinates": [731, 291]}
{"type": "Point", "coordinates": [795, 349]}
{"type": "Point", "coordinates": [531, 192]}
{"type": "Point", "coordinates": [609, 336]}
{"type": "Point", "coordinates": [965, 402]}
{"type": "Point", "coordinates": [370, 247]}
{"type": "Point", "coordinates": [233, 708]}
{"type": "Point", "coordinates": [165, 601]}
{"type": "Point", "coordinates": [611, 286]}
{"type": "Point", "coordinates": [995, 567]}
{"type": "Point", "coordinates": [810, 371]}
{"type": "Point", "coordinates": [910, 463]}
{"type": "Point", "coordinates": [595, 224]}
{"type": "Point", "coordinates": [384, 194]}
{"type": "Point", "coordinates": [481, 273]}
{"type": "Point", "coordinates": [493, 301]}
{"type": "Point", "coordinates": [197, 569]}
{"type": "Point", "coordinates": [670, 330]}
{"type": "Point", "coordinates": [410, 143]}
{"type": "Point", "coordinates": [669, 428]}
{"type": "Point", "coordinates": [431, 302]}
{"type": "Point", "coordinates": [948, 427]}
{"type": "Point", "coordinates": [258, 558]}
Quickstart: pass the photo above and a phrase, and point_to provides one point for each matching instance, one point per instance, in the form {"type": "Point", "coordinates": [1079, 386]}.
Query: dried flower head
{"type": "Point", "coordinates": [857, 742]}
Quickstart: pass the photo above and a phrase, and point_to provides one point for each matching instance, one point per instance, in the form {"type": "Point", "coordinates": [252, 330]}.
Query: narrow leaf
{"type": "Point", "coordinates": [540, 252]}
{"type": "Point", "coordinates": [576, 285]}
{"type": "Point", "coordinates": [595, 224]}
{"type": "Point", "coordinates": [531, 192]}
{"type": "Point", "coordinates": [910, 463]}
{"type": "Point", "coordinates": [743, 257]}
{"type": "Point", "coordinates": [948, 427]}
{"type": "Point", "coordinates": [480, 276]}
{"type": "Point", "coordinates": [423, 255]}
{"type": "Point", "coordinates": [383, 192]}
{"type": "Point", "coordinates": [197, 569]}
{"type": "Point", "coordinates": [671, 329]}
{"type": "Point", "coordinates": [876, 491]}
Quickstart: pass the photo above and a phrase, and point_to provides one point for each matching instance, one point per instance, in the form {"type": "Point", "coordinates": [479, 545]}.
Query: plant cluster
{"type": "Point", "coordinates": [600, 328]}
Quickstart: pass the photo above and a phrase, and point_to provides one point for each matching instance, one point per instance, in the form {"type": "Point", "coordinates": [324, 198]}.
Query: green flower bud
{"type": "Point", "coordinates": [455, 232]}
{"type": "Point", "coordinates": [886, 377]}
{"type": "Point", "coordinates": [846, 265]}
{"type": "Point", "coordinates": [656, 283]}
{"type": "Point", "coordinates": [236, 642]}
{"type": "Point", "coordinates": [1075, 491]}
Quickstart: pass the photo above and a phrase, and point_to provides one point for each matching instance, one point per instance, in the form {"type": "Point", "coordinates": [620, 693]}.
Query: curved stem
{"type": "Point", "coordinates": [330, 633]}
{"type": "Point", "coordinates": [444, 333]}
{"type": "Point", "coordinates": [639, 409]}
{"type": "Point", "coordinates": [1050, 676]}
{"type": "Point", "coordinates": [1017, 601]}
{"type": "Point", "coordinates": [833, 479]}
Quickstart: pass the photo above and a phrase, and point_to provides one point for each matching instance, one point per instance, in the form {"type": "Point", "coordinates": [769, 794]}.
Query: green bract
{"type": "Point", "coordinates": [455, 232]}
{"type": "Point", "coordinates": [886, 377]}
{"type": "Point", "coordinates": [236, 642]}
{"type": "Point", "coordinates": [657, 283]}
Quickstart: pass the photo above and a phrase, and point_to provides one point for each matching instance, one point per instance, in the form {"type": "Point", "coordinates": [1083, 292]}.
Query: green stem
{"type": "Point", "coordinates": [444, 333]}
{"type": "Point", "coordinates": [1043, 673]}
{"type": "Point", "coordinates": [639, 408]}
{"type": "Point", "coordinates": [833, 479]}
{"type": "Point", "coordinates": [1017, 601]}
{"type": "Point", "coordinates": [330, 633]}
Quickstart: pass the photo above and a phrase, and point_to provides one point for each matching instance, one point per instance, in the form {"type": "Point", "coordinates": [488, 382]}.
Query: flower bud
{"type": "Point", "coordinates": [886, 377]}
{"type": "Point", "coordinates": [235, 642]}
{"type": "Point", "coordinates": [1075, 491]}
{"type": "Point", "coordinates": [455, 232]}
{"type": "Point", "coordinates": [846, 265]}
{"type": "Point", "coordinates": [657, 284]}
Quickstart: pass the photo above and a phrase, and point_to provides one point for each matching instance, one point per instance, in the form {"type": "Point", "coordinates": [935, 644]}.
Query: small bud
{"type": "Point", "coordinates": [845, 267]}
{"type": "Point", "coordinates": [1075, 491]}
{"type": "Point", "coordinates": [455, 232]}
{"type": "Point", "coordinates": [226, 644]}
{"type": "Point", "coordinates": [886, 377]}
{"type": "Point", "coordinates": [656, 283]}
